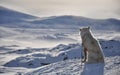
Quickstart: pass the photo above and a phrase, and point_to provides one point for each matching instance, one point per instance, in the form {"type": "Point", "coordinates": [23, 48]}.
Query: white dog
{"type": "Point", "coordinates": [92, 49]}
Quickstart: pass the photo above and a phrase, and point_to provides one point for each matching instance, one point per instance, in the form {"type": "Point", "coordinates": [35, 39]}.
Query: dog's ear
{"type": "Point", "coordinates": [88, 27]}
{"type": "Point", "coordinates": [80, 29]}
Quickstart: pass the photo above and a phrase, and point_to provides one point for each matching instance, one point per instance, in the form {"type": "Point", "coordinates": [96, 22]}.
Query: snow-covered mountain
{"type": "Point", "coordinates": [68, 21]}
{"type": "Point", "coordinates": [12, 16]}
{"type": "Point", "coordinates": [75, 20]}
{"type": "Point", "coordinates": [14, 19]}
{"type": "Point", "coordinates": [17, 19]}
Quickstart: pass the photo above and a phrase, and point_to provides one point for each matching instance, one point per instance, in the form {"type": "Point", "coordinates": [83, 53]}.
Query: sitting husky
{"type": "Point", "coordinates": [92, 49]}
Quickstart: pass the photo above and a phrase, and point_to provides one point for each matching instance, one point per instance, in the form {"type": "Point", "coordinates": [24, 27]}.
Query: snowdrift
{"type": "Point", "coordinates": [65, 59]}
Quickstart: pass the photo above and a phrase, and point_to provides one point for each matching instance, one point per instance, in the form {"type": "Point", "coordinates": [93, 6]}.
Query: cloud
{"type": "Point", "coordinates": [87, 8]}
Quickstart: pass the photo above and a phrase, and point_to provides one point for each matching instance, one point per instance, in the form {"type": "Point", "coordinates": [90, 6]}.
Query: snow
{"type": "Point", "coordinates": [73, 67]}
{"type": "Point", "coordinates": [52, 46]}
{"type": "Point", "coordinates": [62, 59]}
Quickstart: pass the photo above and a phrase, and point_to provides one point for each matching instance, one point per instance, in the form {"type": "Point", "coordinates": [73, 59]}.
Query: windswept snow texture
{"type": "Point", "coordinates": [63, 59]}
{"type": "Point", "coordinates": [30, 45]}
{"type": "Point", "coordinates": [45, 57]}
{"type": "Point", "coordinates": [74, 67]}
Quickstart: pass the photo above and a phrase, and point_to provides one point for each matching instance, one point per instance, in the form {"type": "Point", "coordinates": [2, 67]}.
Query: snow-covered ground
{"type": "Point", "coordinates": [52, 46]}
{"type": "Point", "coordinates": [62, 59]}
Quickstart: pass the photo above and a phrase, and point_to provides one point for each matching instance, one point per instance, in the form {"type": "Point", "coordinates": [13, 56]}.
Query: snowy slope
{"type": "Point", "coordinates": [40, 57]}
{"type": "Point", "coordinates": [61, 60]}
{"type": "Point", "coordinates": [74, 67]}
{"type": "Point", "coordinates": [12, 16]}
{"type": "Point", "coordinates": [15, 19]}
{"type": "Point", "coordinates": [44, 57]}
{"type": "Point", "coordinates": [77, 21]}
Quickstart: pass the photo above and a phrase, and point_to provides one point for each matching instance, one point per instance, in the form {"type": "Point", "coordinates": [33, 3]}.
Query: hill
{"type": "Point", "coordinates": [59, 60]}
{"type": "Point", "coordinates": [15, 19]}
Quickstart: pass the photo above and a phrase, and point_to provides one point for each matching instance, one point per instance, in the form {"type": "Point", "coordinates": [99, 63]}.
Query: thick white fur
{"type": "Point", "coordinates": [94, 50]}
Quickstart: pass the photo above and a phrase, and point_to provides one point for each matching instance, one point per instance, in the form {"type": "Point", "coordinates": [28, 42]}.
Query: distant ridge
{"type": "Point", "coordinates": [15, 19]}
{"type": "Point", "coordinates": [12, 16]}
{"type": "Point", "coordinates": [7, 11]}
{"type": "Point", "coordinates": [78, 21]}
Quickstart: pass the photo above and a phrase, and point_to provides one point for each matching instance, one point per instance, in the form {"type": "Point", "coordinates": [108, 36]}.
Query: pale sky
{"type": "Point", "coordinates": [85, 8]}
